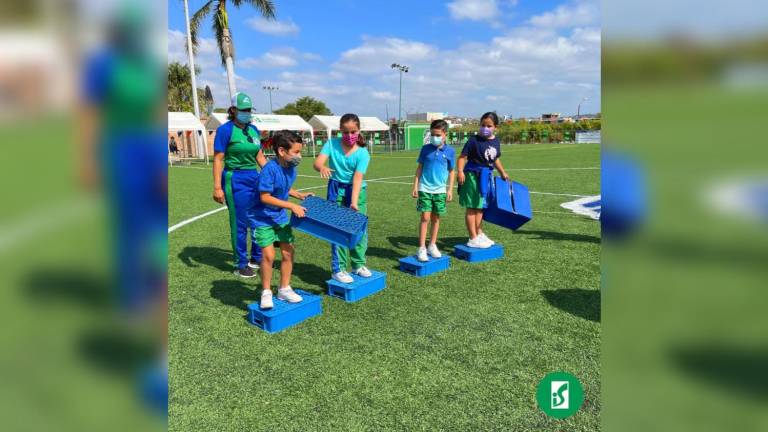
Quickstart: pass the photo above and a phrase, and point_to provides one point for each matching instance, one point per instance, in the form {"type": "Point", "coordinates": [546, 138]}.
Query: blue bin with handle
{"type": "Point", "coordinates": [509, 204]}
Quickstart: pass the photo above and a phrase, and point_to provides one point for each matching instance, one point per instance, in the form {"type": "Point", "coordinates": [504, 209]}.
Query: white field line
{"type": "Point", "coordinates": [192, 219]}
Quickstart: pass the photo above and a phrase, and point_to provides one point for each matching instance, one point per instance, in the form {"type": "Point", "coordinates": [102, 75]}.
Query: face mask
{"type": "Point", "coordinates": [436, 140]}
{"type": "Point", "coordinates": [294, 161]}
{"type": "Point", "coordinates": [244, 117]}
{"type": "Point", "coordinates": [350, 139]}
{"type": "Point", "coordinates": [486, 131]}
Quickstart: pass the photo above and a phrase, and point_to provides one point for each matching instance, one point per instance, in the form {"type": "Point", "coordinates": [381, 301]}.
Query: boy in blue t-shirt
{"type": "Point", "coordinates": [275, 186]}
{"type": "Point", "coordinates": [433, 186]}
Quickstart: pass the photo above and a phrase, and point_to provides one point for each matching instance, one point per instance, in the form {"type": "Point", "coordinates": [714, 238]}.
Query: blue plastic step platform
{"type": "Point", "coordinates": [359, 289]}
{"type": "Point", "coordinates": [284, 314]}
{"type": "Point", "coordinates": [509, 206]}
{"type": "Point", "coordinates": [328, 221]}
{"type": "Point", "coordinates": [474, 255]}
{"type": "Point", "coordinates": [421, 269]}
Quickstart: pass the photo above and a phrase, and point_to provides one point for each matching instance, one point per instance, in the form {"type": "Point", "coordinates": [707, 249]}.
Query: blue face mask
{"type": "Point", "coordinates": [436, 140]}
{"type": "Point", "coordinates": [244, 117]}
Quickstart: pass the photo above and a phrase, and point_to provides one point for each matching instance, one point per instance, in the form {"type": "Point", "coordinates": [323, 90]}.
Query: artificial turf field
{"type": "Point", "coordinates": [460, 350]}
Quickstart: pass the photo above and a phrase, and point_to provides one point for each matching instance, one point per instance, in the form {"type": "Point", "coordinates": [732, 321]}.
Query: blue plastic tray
{"type": "Point", "coordinates": [509, 206]}
{"type": "Point", "coordinates": [284, 314]}
{"type": "Point", "coordinates": [474, 255]}
{"type": "Point", "coordinates": [421, 269]}
{"type": "Point", "coordinates": [328, 221]}
{"type": "Point", "coordinates": [359, 289]}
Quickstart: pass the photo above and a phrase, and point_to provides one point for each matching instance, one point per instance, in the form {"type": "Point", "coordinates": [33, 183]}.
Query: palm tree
{"type": "Point", "coordinates": [220, 26]}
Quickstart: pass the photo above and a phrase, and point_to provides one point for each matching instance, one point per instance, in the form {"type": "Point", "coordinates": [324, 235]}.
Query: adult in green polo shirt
{"type": "Point", "coordinates": [237, 155]}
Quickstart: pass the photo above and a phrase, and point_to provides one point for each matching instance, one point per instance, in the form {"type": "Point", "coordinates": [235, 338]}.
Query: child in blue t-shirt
{"type": "Point", "coordinates": [347, 163]}
{"type": "Point", "coordinates": [479, 157]}
{"type": "Point", "coordinates": [275, 186]}
{"type": "Point", "coordinates": [433, 186]}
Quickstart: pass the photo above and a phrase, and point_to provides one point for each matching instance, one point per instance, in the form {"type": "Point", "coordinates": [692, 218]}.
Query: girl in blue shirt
{"type": "Point", "coordinates": [348, 161]}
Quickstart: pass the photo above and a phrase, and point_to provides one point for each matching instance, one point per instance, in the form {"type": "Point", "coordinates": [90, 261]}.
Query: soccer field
{"type": "Point", "coordinates": [460, 350]}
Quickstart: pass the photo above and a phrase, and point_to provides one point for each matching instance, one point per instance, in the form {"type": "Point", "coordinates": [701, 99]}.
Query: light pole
{"type": "Point", "coordinates": [270, 89]}
{"type": "Point", "coordinates": [402, 69]}
{"type": "Point", "coordinates": [578, 110]}
{"type": "Point", "coordinates": [194, 82]}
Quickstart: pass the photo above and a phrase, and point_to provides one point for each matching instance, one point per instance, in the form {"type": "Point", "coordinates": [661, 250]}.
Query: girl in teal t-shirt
{"type": "Point", "coordinates": [348, 161]}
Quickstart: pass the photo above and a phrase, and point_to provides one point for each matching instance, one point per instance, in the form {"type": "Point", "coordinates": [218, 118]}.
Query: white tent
{"type": "Point", "coordinates": [268, 122]}
{"type": "Point", "coordinates": [186, 121]}
{"type": "Point", "coordinates": [329, 124]}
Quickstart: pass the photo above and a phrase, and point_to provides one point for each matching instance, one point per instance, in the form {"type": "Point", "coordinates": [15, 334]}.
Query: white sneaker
{"type": "Point", "coordinates": [363, 272]}
{"type": "Point", "coordinates": [485, 238]}
{"type": "Point", "coordinates": [478, 243]}
{"type": "Point", "coordinates": [266, 300]}
{"type": "Point", "coordinates": [342, 277]}
{"type": "Point", "coordinates": [421, 255]}
{"type": "Point", "coordinates": [289, 295]}
{"type": "Point", "coordinates": [433, 251]}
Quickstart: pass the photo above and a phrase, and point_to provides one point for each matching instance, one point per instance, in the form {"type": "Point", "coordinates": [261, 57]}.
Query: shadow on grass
{"type": "Point", "coordinates": [735, 369]}
{"type": "Point", "coordinates": [554, 235]}
{"type": "Point", "coordinates": [411, 243]}
{"type": "Point", "coordinates": [313, 277]}
{"type": "Point", "coordinates": [580, 302]}
{"type": "Point", "coordinates": [117, 350]}
{"type": "Point", "coordinates": [236, 292]}
{"type": "Point", "coordinates": [217, 258]}
{"type": "Point", "coordinates": [62, 285]}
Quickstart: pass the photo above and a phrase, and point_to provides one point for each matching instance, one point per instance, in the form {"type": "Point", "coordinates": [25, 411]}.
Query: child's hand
{"type": "Point", "coordinates": [308, 194]}
{"type": "Point", "coordinates": [325, 172]}
{"type": "Point", "coordinates": [505, 176]}
{"type": "Point", "coordinates": [450, 195]}
{"type": "Point", "coordinates": [354, 207]}
{"type": "Point", "coordinates": [415, 193]}
{"type": "Point", "coordinates": [461, 177]}
{"type": "Point", "coordinates": [299, 210]}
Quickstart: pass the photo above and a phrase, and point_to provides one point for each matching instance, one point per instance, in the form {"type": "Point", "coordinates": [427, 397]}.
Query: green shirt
{"type": "Point", "coordinates": [240, 149]}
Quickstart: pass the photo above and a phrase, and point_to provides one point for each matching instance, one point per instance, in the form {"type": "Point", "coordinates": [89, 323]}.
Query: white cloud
{"type": "Point", "coordinates": [273, 27]}
{"type": "Point", "coordinates": [475, 10]}
{"type": "Point", "coordinates": [568, 15]}
{"type": "Point", "coordinates": [383, 95]}
{"type": "Point", "coordinates": [377, 54]}
{"type": "Point", "coordinates": [276, 58]}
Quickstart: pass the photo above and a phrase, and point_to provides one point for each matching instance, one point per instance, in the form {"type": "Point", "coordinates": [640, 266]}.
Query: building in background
{"type": "Point", "coordinates": [425, 117]}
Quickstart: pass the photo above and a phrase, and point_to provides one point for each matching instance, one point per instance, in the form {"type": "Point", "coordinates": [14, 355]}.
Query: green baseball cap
{"type": "Point", "coordinates": [242, 101]}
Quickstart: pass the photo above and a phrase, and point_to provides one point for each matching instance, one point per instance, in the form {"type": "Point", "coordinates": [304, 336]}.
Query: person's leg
{"type": "Point", "coordinates": [470, 221]}
{"type": "Point", "coordinates": [286, 264]}
{"type": "Point", "coordinates": [238, 221]}
{"type": "Point", "coordinates": [267, 258]}
{"type": "Point", "coordinates": [479, 221]}
{"type": "Point", "coordinates": [250, 204]}
{"type": "Point", "coordinates": [435, 227]}
{"type": "Point", "coordinates": [338, 254]}
{"type": "Point", "coordinates": [423, 224]}
{"type": "Point", "coordinates": [357, 255]}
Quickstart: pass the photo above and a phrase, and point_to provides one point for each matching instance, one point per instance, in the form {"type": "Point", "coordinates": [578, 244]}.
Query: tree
{"type": "Point", "coordinates": [180, 89]}
{"type": "Point", "coordinates": [220, 26]}
{"type": "Point", "coordinates": [305, 107]}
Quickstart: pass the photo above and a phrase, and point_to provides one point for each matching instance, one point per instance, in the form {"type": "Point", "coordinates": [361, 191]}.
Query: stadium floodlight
{"type": "Point", "coordinates": [401, 68]}
{"type": "Point", "coordinates": [270, 89]}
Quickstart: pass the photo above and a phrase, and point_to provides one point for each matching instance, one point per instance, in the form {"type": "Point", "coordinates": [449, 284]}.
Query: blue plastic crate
{"type": "Point", "coordinates": [473, 255]}
{"type": "Point", "coordinates": [421, 269]}
{"type": "Point", "coordinates": [509, 206]}
{"type": "Point", "coordinates": [284, 314]}
{"type": "Point", "coordinates": [359, 289]}
{"type": "Point", "coordinates": [328, 221]}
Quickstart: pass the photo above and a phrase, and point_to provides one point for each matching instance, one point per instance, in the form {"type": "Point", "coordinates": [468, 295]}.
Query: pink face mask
{"type": "Point", "coordinates": [350, 139]}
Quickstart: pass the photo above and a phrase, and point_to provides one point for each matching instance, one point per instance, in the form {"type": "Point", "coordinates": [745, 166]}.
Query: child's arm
{"type": "Point", "coordinates": [451, 176]}
{"type": "Point", "coordinates": [298, 195]}
{"type": "Point", "coordinates": [357, 184]}
{"type": "Point", "coordinates": [460, 168]}
{"type": "Point", "coordinates": [500, 167]}
{"type": "Point", "coordinates": [320, 167]}
{"type": "Point", "coordinates": [268, 199]}
{"type": "Point", "coordinates": [415, 192]}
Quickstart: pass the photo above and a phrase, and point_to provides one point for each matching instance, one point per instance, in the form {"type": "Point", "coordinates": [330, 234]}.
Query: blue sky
{"type": "Point", "coordinates": [466, 57]}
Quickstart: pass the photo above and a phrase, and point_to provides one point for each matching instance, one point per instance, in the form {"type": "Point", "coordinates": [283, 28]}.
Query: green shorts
{"type": "Point", "coordinates": [469, 192]}
{"type": "Point", "coordinates": [268, 235]}
{"type": "Point", "coordinates": [431, 202]}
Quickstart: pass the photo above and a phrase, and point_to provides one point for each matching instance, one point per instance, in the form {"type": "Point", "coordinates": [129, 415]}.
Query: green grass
{"type": "Point", "coordinates": [460, 350]}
